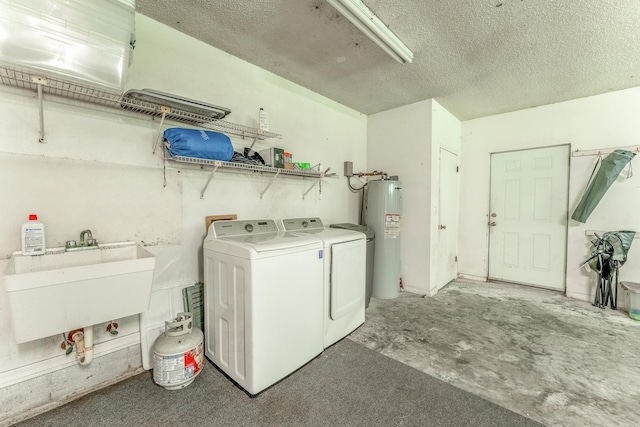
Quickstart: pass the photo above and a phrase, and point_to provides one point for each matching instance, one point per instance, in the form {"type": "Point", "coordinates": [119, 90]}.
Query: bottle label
{"type": "Point", "coordinates": [33, 240]}
{"type": "Point", "coordinates": [264, 121]}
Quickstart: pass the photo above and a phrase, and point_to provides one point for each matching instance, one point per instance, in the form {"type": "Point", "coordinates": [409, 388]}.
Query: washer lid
{"type": "Point", "coordinates": [266, 242]}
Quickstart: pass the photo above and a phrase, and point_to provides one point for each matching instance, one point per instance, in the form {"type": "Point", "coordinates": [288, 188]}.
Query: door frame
{"type": "Point", "coordinates": [566, 228]}
{"type": "Point", "coordinates": [435, 286]}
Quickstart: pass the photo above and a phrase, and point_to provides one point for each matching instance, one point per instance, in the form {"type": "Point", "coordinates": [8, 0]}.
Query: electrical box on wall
{"type": "Point", "coordinates": [348, 169]}
{"type": "Point", "coordinates": [89, 41]}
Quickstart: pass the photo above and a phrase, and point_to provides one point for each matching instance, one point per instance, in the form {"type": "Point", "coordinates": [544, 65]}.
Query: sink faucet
{"type": "Point", "coordinates": [86, 242]}
{"type": "Point", "coordinates": [89, 239]}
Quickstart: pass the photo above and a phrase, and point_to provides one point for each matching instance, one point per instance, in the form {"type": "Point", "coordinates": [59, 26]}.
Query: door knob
{"type": "Point", "coordinates": [442, 227]}
{"type": "Point", "coordinates": [493, 215]}
{"type": "Point", "coordinates": [493, 224]}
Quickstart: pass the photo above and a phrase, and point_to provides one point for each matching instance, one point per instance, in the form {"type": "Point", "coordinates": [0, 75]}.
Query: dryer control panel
{"type": "Point", "coordinates": [244, 227]}
{"type": "Point", "coordinates": [298, 224]}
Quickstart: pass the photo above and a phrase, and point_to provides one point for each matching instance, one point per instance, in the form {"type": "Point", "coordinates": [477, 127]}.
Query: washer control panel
{"type": "Point", "coordinates": [297, 224]}
{"type": "Point", "coordinates": [244, 227]}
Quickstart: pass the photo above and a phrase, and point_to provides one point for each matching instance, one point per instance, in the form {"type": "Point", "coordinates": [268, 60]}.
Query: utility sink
{"type": "Point", "coordinates": [61, 291]}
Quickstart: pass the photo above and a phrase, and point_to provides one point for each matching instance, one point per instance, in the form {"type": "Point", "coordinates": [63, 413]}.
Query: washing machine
{"type": "Point", "coordinates": [344, 275]}
{"type": "Point", "coordinates": [263, 301]}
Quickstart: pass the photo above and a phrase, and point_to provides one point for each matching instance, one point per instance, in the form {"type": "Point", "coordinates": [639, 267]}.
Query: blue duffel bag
{"type": "Point", "coordinates": [201, 144]}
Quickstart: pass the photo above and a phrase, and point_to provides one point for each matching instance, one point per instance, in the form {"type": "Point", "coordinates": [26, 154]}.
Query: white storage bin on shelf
{"type": "Point", "coordinates": [632, 298]}
{"type": "Point", "coordinates": [88, 41]}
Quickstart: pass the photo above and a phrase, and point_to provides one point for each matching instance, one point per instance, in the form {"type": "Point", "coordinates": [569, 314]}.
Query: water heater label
{"type": "Point", "coordinates": [391, 226]}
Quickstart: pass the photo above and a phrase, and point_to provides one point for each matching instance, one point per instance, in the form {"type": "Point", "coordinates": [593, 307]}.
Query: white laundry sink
{"type": "Point", "coordinates": [61, 291]}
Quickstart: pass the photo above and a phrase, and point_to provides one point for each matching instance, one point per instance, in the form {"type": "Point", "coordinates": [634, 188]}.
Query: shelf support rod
{"type": "Point", "coordinates": [41, 114]}
{"type": "Point", "coordinates": [213, 172]}
{"type": "Point", "coordinates": [269, 184]}
{"type": "Point", "coordinates": [40, 81]}
{"type": "Point", "coordinates": [253, 143]}
{"type": "Point", "coordinates": [312, 185]}
{"type": "Point", "coordinates": [164, 110]}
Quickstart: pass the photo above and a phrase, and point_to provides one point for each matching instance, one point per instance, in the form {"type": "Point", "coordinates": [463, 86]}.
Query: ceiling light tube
{"type": "Point", "coordinates": [365, 20]}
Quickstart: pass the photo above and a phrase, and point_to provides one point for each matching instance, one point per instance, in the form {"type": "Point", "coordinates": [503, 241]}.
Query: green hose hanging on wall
{"type": "Point", "coordinates": [604, 175]}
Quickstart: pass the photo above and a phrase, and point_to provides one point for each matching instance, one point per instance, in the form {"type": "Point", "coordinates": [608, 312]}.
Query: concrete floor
{"type": "Point", "coordinates": [559, 361]}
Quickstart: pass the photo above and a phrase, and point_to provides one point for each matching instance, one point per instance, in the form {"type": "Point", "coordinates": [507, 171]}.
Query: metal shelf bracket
{"type": "Point", "coordinates": [253, 143]}
{"type": "Point", "coordinates": [217, 164]}
{"type": "Point", "coordinates": [269, 184]}
{"type": "Point", "coordinates": [164, 110]}
{"type": "Point", "coordinates": [310, 188]}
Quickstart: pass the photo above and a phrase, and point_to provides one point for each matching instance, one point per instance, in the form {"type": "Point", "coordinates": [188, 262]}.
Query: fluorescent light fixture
{"type": "Point", "coordinates": [365, 20]}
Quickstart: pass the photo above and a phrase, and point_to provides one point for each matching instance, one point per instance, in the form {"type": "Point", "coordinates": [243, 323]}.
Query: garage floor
{"type": "Point", "coordinates": [560, 361]}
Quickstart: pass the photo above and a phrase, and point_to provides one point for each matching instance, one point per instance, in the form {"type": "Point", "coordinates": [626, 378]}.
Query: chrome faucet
{"type": "Point", "coordinates": [86, 242]}
{"type": "Point", "coordinates": [90, 241]}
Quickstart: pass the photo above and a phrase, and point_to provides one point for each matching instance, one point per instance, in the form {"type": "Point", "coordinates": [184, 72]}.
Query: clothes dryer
{"type": "Point", "coordinates": [263, 301]}
{"type": "Point", "coordinates": [344, 275]}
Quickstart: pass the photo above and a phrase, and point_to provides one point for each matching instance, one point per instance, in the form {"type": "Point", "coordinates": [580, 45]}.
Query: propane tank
{"type": "Point", "coordinates": [178, 354]}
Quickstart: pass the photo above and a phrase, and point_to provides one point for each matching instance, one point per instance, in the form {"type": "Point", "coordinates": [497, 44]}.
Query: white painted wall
{"type": "Point", "coordinates": [96, 171]}
{"type": "Point", "coordinates": [405, 141]}
{"type": "Point", "coordinates": [597, 122]}
{"type": "Point", "coordinates": [399, 143]}
{"type": "Point", "coordinates": [446, 133]}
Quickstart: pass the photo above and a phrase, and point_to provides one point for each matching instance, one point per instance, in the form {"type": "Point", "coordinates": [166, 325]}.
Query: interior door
{"type": "Point", "coordinates": [528, 216]}
{"type": "Point", "coordinates": [445, 267]}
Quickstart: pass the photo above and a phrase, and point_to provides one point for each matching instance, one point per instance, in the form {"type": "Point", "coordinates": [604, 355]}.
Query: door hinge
{"type": "Point", "coordinates": [457, 168]}
{"type": "Point", "coordinates": [456, 258]}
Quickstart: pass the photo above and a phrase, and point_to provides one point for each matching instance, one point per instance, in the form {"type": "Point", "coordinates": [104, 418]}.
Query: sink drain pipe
{"type": "Point", "coordinates": [83, 339]}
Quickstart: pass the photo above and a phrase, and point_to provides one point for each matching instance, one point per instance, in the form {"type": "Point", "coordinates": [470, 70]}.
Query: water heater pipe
{"type": "Point", "coordinates": [374, 173]}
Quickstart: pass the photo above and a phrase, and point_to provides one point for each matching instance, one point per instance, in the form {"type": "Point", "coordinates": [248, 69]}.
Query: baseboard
{"type": "Point", "coordinates": [36, 396]}
{"type": "Point", "coordinates": [47, 366]}
{"type": "Point", "coordinates": [579, 295]}
{"type": "Point", "coordinates": [414, 290]}
{"type": "Point", "coordinates": [473, 278]}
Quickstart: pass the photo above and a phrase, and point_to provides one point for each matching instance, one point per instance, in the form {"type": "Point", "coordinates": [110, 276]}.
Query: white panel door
{"type": "Point", "coordinates": [528, 216]}
{"type": "Point", "coordinates": [445, 267]}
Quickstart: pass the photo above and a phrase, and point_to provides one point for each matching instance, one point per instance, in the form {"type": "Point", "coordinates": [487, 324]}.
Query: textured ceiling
{"type": "Point", "coordinates": [475, 57]}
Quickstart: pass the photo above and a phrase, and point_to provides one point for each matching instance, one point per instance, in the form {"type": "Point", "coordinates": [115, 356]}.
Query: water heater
{"type": "Point", "coordinates": [383, 214]}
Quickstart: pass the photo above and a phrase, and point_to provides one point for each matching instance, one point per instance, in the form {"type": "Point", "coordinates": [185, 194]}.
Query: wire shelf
{"type": "Point", "coordinates": [253, 168]}
{"type": "Point", "coordinates": [50, 85]}
{"type": "Point", "coordinates": [59, 87]}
